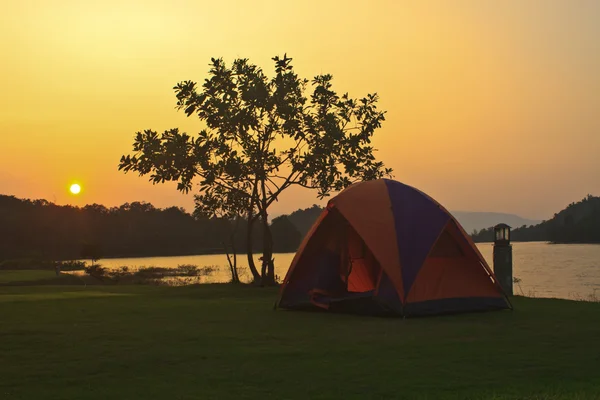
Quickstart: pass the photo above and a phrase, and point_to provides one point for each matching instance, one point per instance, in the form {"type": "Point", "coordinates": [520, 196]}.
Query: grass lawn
{"type": "Point", "coordinates": [220, 342]}
{"type": "Point", "coordinates": [25, 275]}
{"type": "Point", "coordinates": [37, 277]}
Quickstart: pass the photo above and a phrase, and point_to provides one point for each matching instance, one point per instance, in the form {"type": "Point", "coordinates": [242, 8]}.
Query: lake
{"type": "Point", "coordinates": [545, 270]}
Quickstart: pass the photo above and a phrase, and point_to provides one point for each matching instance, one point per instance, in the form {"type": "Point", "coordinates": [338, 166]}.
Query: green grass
{"type": "Point", "coordinates": [220, 342]}
{"type": "Point", "coordinates": [10, 276]}
{"type": "Point", "coordinates": [38, 277]}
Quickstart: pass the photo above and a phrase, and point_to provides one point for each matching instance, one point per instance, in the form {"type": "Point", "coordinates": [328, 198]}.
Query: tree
{"type": "Point", "coordinates": [262, 136]}
{"type": "Point", "coordinates": [91, 251]}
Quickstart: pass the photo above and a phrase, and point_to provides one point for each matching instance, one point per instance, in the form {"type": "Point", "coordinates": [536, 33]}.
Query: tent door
{"type": "Point", "coordinates": [362, 268]}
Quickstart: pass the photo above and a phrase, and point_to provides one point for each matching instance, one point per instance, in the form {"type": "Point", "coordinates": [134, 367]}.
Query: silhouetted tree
{"type": "Point", "coordinates": [91, 251]}
{"type": "Point", "coordinates": [263, 136]}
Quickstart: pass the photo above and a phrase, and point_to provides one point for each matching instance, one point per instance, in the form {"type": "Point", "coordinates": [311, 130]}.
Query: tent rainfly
{"type": "Point", "coordinates": [384, 248]}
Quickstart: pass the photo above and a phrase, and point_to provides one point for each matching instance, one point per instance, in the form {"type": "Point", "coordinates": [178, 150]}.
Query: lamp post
{"type": "Point", "coordinates": [503, 258]}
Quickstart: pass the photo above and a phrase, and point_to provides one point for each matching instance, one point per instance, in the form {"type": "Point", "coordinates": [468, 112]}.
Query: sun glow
{"type": "Point", "coordinates": [75, 188]}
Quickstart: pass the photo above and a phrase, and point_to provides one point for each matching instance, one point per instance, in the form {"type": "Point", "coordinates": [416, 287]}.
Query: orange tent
{"type": "Point", "coordinates": [382, 247]}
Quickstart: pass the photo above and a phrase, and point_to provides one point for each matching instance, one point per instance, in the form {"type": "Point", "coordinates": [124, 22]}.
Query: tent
{"type": "Point", "coordinates": [384, 248]}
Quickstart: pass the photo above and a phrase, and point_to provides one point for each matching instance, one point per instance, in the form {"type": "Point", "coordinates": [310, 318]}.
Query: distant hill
{"type": "Point", "coordinates": [577, 223]}
{"type": "Point", "coordinates": [304, 218]}
{"type": "Point", "coordinates": [471, 221]}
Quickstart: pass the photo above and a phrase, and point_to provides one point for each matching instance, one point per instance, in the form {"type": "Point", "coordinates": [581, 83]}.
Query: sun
{"type": "Point", "coordinates": [75, 188]}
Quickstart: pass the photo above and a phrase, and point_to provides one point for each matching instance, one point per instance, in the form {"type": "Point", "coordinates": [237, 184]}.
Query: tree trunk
{"type": "Point", "coordinates": [235, 275]}
{"type": "Point", "coordinates": [231, 266]}
{"type": "Point", "coordinates": [249, 249]}
{"type": "Point", "coordinates": [268, 269]}
{"type": "Point", "coordinates": [235, 270]}
{"type": "Point", "coordinates": [270, 260]}
{"type": "Point", "coordinates": [232, 260]}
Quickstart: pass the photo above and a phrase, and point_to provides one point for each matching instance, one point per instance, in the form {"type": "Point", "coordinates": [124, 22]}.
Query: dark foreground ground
{"type": "Point", "coordinates": [222, 342]}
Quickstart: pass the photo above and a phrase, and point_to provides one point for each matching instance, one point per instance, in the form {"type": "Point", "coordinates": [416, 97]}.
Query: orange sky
{"type": "Point", "coordinates": [492, 105]}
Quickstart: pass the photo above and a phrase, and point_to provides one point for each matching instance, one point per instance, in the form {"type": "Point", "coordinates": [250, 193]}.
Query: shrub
{"type": "Point", "coordinates": [97, 271]}
{"type": "Point", "coordinates": [71, 265]}
{"type": "Point", "coordinates": [183, 274]}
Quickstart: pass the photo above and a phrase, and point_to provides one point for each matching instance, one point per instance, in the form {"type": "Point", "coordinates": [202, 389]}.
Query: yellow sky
{"type": "Point", "coordinates": [492, 105]}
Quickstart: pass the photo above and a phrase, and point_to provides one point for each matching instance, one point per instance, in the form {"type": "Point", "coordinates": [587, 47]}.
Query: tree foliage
{"type": "Point", "coordinates": [262, 136]}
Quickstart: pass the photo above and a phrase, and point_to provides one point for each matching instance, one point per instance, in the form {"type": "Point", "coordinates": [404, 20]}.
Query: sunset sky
{"type": "Point", "coordinates": [492, 105]}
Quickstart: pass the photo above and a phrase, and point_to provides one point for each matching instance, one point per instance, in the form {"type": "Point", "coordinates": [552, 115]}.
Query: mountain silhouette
{"type": "Point", "coordinates": [577, 223]}
{"type": "Point", "coordinates": [471, 220]}
{"type": "Point", "coordinates": [304, 218]}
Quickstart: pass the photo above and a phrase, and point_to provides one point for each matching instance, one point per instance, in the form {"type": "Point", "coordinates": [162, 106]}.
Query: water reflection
{"type": "Point", "coordinates": [545, 270]}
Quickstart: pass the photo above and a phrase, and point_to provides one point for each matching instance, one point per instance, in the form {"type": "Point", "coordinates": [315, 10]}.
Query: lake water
{"type": "Point", "coordinates": [545, 270]}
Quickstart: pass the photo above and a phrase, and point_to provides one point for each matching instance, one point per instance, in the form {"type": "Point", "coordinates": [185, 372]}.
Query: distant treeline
{"type": "Point", "coordinates": [39, 229]}
{"type": "Point", "coordinates": [578, 223]}
{"type": "Point", "coordinates": [303, 219]}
